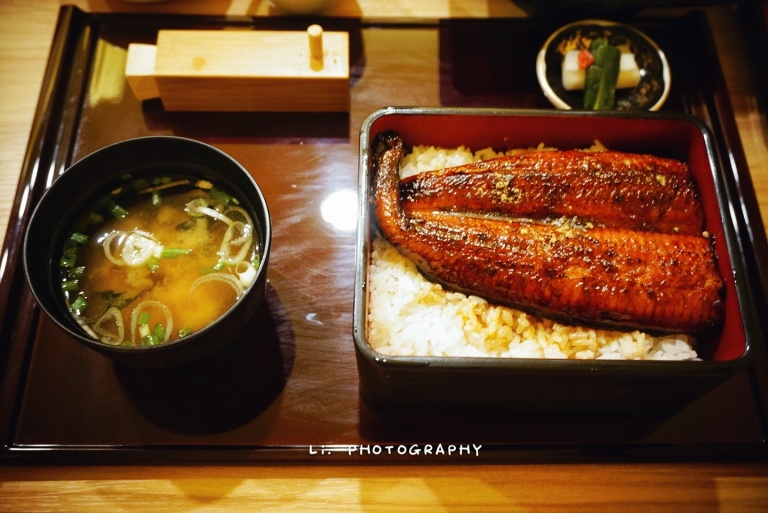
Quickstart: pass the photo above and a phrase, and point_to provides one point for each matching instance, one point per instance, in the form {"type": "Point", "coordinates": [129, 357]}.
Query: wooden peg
{"type": "Point", "coordinates": [315, 33]}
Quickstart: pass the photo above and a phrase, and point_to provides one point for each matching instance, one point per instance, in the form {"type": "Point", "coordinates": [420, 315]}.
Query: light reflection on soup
{"type": "Point", "coordinates": [157, 267]}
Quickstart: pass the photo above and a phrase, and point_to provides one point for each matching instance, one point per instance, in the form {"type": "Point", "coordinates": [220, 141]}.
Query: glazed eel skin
{"type": "Point", "coordinates": [613, 275]}
{"type": "Point", "coordinates": [605, 188]}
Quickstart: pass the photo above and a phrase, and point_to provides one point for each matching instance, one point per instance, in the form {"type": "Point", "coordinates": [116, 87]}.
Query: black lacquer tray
{"type": "Point", "coordinates": [287, 390]}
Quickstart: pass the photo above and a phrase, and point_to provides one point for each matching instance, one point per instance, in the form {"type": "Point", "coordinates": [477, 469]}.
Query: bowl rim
{"type": "Point", "coordinates": [558, 102]}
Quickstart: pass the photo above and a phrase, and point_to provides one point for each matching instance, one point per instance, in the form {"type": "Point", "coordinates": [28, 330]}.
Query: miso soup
{"type": "Point", "coordinates": [158, 259]}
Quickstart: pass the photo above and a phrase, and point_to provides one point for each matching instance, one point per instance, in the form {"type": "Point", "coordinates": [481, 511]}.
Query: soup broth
{"type": "Point", "coordinates": [158, 260]}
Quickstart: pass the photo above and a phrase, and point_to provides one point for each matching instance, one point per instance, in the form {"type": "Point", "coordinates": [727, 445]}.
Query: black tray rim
{"type": "Point", "coordinates": [51, 151]}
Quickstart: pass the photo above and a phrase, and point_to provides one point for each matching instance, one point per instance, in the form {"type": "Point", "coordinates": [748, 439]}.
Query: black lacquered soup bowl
{"type": "Point", "coordinates": [100, 174]}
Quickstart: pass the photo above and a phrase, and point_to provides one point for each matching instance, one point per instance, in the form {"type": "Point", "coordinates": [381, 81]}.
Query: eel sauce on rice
{"type": "Point", "coordinates": [411, 316]}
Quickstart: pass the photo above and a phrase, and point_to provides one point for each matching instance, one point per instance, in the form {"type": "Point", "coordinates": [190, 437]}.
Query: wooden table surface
{"type": "Point", "coordinates": [26, 30]}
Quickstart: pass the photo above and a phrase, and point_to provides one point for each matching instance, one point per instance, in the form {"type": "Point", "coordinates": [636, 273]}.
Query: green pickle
{"type": "Point", "coordinates": [602, 76]}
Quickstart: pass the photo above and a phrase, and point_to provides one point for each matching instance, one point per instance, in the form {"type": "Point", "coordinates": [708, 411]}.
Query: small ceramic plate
{"type": "Point", "coordinates": [649, 94]}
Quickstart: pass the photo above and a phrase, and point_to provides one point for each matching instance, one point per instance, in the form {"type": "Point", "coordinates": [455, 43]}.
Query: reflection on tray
{"type": "Point", "coordinates": [265, 127]}
{"type": "Point", "coordinates": [222, 392]}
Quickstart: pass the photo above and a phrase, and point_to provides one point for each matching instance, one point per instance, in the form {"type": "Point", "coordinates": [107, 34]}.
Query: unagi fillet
{"type": "Point", "coordinates": [601, 276]}
{"type": "Point", "coordinates": [606, 188]}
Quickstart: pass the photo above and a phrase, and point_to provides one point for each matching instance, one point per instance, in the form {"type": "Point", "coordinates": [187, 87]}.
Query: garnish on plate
{"type": "Point", "coordinates": [599, 70]}
{"type": "Point", "coordinates": [643, 80]}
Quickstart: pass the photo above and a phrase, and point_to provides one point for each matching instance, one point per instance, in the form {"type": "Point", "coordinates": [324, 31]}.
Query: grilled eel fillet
{"type": "Point", "coordinates": [606, 188]}
{"type": "Point", "coordinates": [608, 276]}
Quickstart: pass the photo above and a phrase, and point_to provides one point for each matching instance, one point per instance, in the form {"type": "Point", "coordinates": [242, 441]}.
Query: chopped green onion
{"type": "Point", "coordinates": [76, 272]}
{"type": "Point", "coordinates": [79, 238]}
{"type": "Point", "coordinates": [119, 212]}
{"type": "Point", "coordinates": [153, 263]}
{"type": "Point", "coordinates": [149, 340]}
{"type": "Point", "coordinates": [183, 332]}
{"type": "Point", "coordinates": [214, 268]}
{"type": "Point", "coordinates": [70, 285]}
{"type": "Point", "coordinates": [78, 304]}
{"type": "Point", "coordinates": [222, 197]}
{"type": "Point", "coordinates": [69, 257]}
{"type": "Point", "coordinates": [95, 218]}
{"type": "Point", "coordinates": [174, 252]}
{"type": "Point", "coordinates": [156, 200]}
{"type": "Point", "coordinates": [158, 332]}
{"type": "Point", "coordinates": [116, 210]}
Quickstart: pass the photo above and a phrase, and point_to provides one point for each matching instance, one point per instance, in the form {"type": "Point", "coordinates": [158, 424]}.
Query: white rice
{"type": "Point", "coordinates": [411, 316]}
{"type": "Point", "coordinates": [430, 158]}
